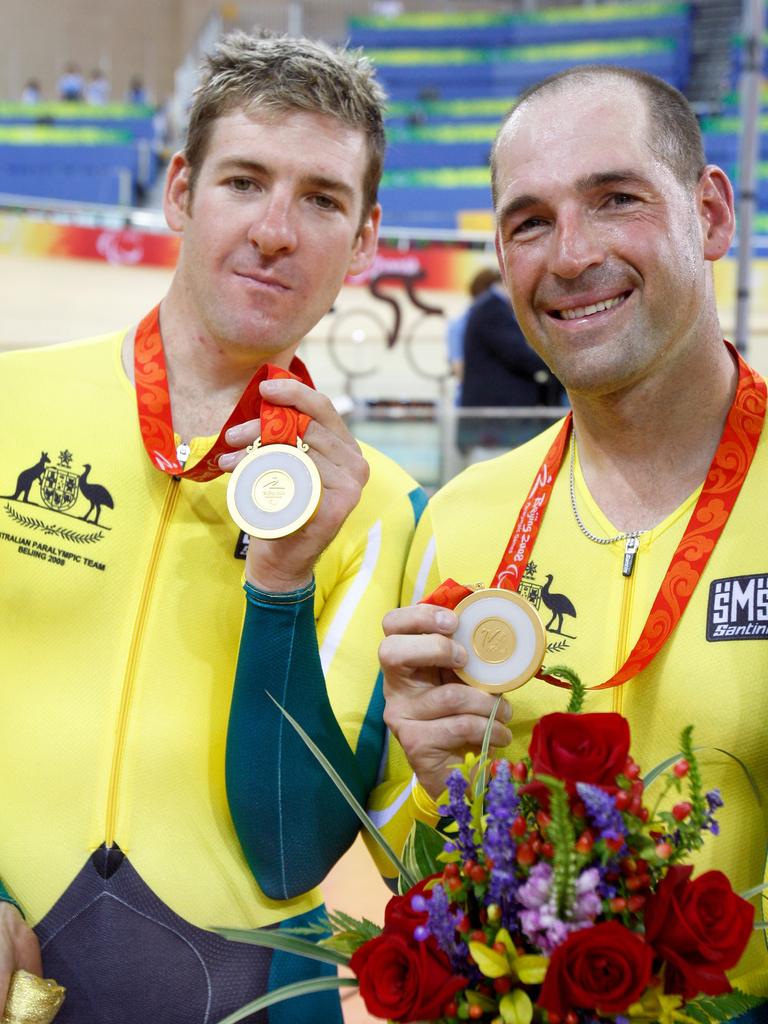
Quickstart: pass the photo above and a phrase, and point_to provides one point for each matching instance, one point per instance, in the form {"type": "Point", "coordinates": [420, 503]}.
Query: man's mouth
{"type": "Point", "coordinates": [579, 312]}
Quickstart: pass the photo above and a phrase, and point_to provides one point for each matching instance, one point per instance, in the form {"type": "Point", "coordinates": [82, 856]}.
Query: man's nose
{"type": "Point", "coordinates": [273, 228]}
{"type": "Point", "coordinates": [576, 245]}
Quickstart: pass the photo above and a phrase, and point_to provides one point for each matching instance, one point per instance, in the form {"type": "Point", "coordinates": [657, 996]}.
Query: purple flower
{"type": "Point", "coordinates": [540, 921]}
{"type": "Point", "coordinates": [603, 813]}
{"type": "Point", "coordinates": [502, 804]}
{"type": "Point", "coordinates": [460, 811]}
{"type": "Point", "coordinates": [442, 922]}
{"type": "Point", "coordinates": [714, 803]}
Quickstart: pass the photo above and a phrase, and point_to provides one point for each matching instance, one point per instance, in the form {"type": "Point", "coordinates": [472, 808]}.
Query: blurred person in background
{"type": "Point", "coordinates": [454, 335]}
{"type": "Point", "coordinates": [70, 86]}
{"type": "Point", "coordinates": [132, 762]}
{"type": "Point", "coordinates": [97, 91]}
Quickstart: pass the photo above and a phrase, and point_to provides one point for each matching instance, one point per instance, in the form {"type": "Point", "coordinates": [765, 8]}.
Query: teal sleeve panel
{"type": "Point", "coordinates": [5, 897]}
{"type": "Point", "coordinates": [418, 498]}
{"type": "Point", "coordinates": [292, 822]}
{"type": "Point", "coordinates": [288, 968]}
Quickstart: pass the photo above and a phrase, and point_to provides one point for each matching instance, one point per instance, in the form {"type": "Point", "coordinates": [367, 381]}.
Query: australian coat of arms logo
{"type": "Point", "coordinates": [63, 487]}
{"type": "Point", "coordinates": [556, 609]}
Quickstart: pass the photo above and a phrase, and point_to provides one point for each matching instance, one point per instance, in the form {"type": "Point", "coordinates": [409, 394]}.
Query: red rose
{"type": "Point", "coordinates": [604, 969]}
{"type": "Point", "coordinates": [581, 748]}
{"type": "Point", "coordinates": [399, 913]}
{"type": "Point", "coordinates": [402, 979]}
{"type": "Point", "coordinates": [700, 928]}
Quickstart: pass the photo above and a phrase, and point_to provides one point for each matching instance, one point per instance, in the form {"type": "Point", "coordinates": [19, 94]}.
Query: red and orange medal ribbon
{"type": "Point", "coordinates": [279, 424]}
{"type": "Point", "coordinates": [725, 477]}
{"type": "Point", "coordinates": [275, 489]}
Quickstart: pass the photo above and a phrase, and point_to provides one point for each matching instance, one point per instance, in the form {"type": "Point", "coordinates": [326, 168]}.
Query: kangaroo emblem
{"type": "Point", "coordinates": [95, 493]}
{"type": "Point", "coordinates": [27, 477]}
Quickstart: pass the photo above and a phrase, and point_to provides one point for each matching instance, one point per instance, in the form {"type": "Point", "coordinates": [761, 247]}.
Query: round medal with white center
{"type": "Point", "coordinates": [504, 638]}
{"type": "Point", "coordinates": [274, 490]}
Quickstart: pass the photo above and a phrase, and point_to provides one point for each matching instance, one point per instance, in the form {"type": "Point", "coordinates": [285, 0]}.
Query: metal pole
{"type": "Point", "coordinates": [751, 83]}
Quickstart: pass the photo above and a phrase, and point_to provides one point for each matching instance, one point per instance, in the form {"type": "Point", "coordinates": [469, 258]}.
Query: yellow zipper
{"type": "Point", "coordinates": [622, 646]}
{"type": "Point", "coordinates": [129, 679]}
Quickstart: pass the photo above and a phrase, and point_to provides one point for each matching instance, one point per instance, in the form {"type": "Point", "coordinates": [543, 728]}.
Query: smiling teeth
{"type": "Point", "coordinates": [579, 311]}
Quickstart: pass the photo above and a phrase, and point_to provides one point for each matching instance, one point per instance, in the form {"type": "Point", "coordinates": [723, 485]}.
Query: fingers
{"type": "Point", "coordinates": [403, 653]}
{"type": "Point", "coordinates": [19, 948]}
{"type": "Point", "coordinates": [420, 618]}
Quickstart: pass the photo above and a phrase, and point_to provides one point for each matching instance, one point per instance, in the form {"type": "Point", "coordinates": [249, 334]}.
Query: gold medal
{"type": "Point", "coordinates": [504, 638]}
{"type": "Point", "coordinates": [32, 1000]}
{"type": "Point", "coordinates": [274, 490]}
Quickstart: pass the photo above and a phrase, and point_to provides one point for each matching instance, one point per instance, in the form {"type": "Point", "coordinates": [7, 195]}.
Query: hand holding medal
{"type": "Point", "coordinates": [296, 484]}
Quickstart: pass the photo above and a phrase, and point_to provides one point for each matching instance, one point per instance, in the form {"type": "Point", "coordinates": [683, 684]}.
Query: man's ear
{"type": "Point", "coordinates": [714, 200]}
{"type": "Point", "coordinates": [500, 257]}
{"type": "Point", "coordinates": [366, 243]}
{"type": "Point", "coordinates": [177, 197]}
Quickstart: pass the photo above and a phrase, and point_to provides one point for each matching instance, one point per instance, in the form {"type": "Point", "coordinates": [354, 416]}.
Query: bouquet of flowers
{"type": "Point", "coordinates": [556, 893]}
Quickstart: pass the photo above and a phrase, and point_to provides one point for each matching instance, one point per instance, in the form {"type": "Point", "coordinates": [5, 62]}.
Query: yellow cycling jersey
{"type": "Point", "coordinates": [121, 610]}
{"type": "Point", "coordinates": [711, 672]}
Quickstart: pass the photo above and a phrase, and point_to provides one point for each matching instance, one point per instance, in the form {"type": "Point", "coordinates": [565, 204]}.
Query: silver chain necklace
{"type": "Point", "coordinates": [631, 543]}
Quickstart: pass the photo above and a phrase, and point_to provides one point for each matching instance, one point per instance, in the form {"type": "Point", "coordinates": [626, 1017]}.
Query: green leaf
{"type": "Point", "coordinates": [348, 795]}
{"type": "Point", "coordinates": [654, 773]}
{"type": "Point", "coordinates": [421, 850]}
{"type": "Point", "coordinates": [578, 690]}
{"type": "Point", "coordinates": [516, 1007]}
{"type": "Point", "coordinates": [298, 988]}
{"type": "Point", "coordinates": [754, 891]}
{"type": "Point", "coordinates": [711, 1009]}
{"type": "Point", "coordinates": [274, 938]}
{"type": "Point", "coordinates": [491, 963]}
{"type": "Point", "coordinates": [482, 774]}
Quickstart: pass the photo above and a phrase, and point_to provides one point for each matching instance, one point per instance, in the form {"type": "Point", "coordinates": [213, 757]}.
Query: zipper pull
{"type": "Point", "coordinates": [182, 453]}
{"type": "Point", "coordinates": [630, 551]}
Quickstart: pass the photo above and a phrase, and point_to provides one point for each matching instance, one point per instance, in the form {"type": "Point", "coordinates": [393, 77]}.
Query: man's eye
{"type": "Point", "coordinates": [525, 226]}
{"type": "Point", "coordinates": [621, 199]}
{"type": "Point", "coordinates": [325, 202]}
{"type": "Point", "coordinates": [240, 184]}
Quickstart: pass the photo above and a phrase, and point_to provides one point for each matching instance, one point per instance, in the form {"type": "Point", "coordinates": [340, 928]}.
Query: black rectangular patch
{"type": "Point", "coordinates": [738, 608]}
{"type": "Point", "coordinates": [241, 547]}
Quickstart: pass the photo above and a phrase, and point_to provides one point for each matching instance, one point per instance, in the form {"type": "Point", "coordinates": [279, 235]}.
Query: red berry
{"type": "Point", "coordinates": [525, 854]}
{"type": "Point", "coordinates": [547, 850]}
{"type": "Point", "coordinates": [643, 814]}
{"type": "Point", "coordinates": [543, 819]}
{"type": "Point", "coordinates": [636, 882]}
{"type": "Point", "coordinates": [520, 771]}
{"type": "Point", "coordinates": [463, 924]}
{"type": "Point", "coordinates": [477, 935]}
{"type": "Point", "coordinates": [475, 1012]}
{"type": "Point", "coordinates": [634, 903]}
{"type": "Point", "coordinates": [450, 1009]}
{"type": "Point", "coordinates": [632, 771]}
{"type": "Point", "coordinates": [585, 842]}
{"type": "Point", "coordinates": [571, 1018]}
{"type": "Point", "coordinates": [467, 866]}
{"type": "Point", "coordinates": [536, 844]}
{"type": "Point", "coordinates": [615, 843]}
{"type": "Point", "coordinates": [635, 806]}
{"type": "Point", "coordinates": [682, 768]}
{"type": "Point", "coordinates": [681, 811]}
{"type": "Point", "coordinates": [623, 799]}
{"type": "Point", "coordinates": [553, 1018]}
{"type": "Point", "coordinates": [451, 870]}
{"type": "Point", "coordinates": [478, 873]}
{"type": "Point", "coordinates": [518, 827]}
{"type": "Point", "coordinates": [579, 811]}
{"type": "Point", "coordinates": [617, 904]}
{"type": "Point", "coordinates": [454, 884]}
{"type": "Point", "coordinates": [628, 866]}
{"type": "Point", "coordinates": [494, 768]}
{"type": "Point", "coordinates": [663, 850]}
{"type": "Point", "coordinates": [499, 947]}
{"type": "Point", "coordinates": [503, 985]}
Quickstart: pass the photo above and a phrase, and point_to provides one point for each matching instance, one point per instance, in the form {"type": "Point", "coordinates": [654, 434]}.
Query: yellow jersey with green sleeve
{"type": "Point", "coordinates": [122, 609]}
{"type": "Point", "coordinates": [711, 672]}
